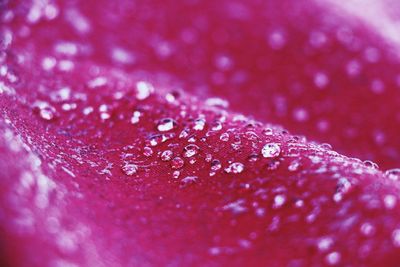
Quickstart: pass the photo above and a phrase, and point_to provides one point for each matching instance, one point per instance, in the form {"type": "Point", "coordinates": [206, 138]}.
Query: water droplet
{"type": "Point", "coordinates": [143, 90]}
{"type": "Point", "coordinates": [46, 112]}
{"type": "Point", "coordinates": [279, 200]}
{"type": "Point", "coordinates": [393, 174]}
{"type": "Point", "coordinates": [236, 207]}
{"type": "Point", "coordinates": [224, 137]}
{"type": "Point", "coordinates": [199, 124]}
{"type": "Point", "coordinates": [367, 229]}
{"type": "Point", "coordinates": [216, 165]}
{"type": "Point", "coordinates": [166, 155]}
{"type": "Point", "coordinates": [235, 167]}
{"type": "Point", "coordinates": [97, 82]}
{"type": "Point", "coordinates": [249, 135]}
{"type": "Point", "coordinates": [390, 201]}
{"type": "Point", "coordinates": [333, 258]}
{"type": "Point", "coordinates": [147, 151]}
{"type": "Point", "coordinates": [156, 139]}
{"type": "Point", "coordinates": [217, 102]}
{"type": "Point", "coordinates": [343, 186]}
{"type": "Point", "coordinates": [129, 168]}
{"type": "Point", "coordinates": [271, 150]}
{"type": "Point", "coordinates": [135, 117]}
{"type": "Point", "coordinates": [189, 180]}
{"type": "Point", "coordinates": [252, 158]}
{"type": "Point", "coordinates": [300, 114]}
{"type": "Point", "coordinates": [267, 131]}
{"type": "Point", "coordinates": [377, 86]}
{"type": "Point", "coordinates": [396, 237]}
{"type": "Point", "coordinates": [176, 174]}
{"type": "Point", "coordinates": [166, 125]}
{"type": "Point", "coordinates": [371, 164]}
{"type": "Point", "coordinates": [190, 150]}
{"type": "Point", "coordinates": [325, 243]}
{"type": "Point", "coordinates": [321, 80]}
{"type": "Point", "coordinates": [273, 165]}
{"type": "Point", "coordinates": [223, 62]}
{"type": "Point", "coordinates": [294, 166]}
{"type": "Point", "coordinates": [216, 126]}
{"type": "Point", "coordinates": [177, 163]}
{"type": "Point", "coordinates": [277, 39]}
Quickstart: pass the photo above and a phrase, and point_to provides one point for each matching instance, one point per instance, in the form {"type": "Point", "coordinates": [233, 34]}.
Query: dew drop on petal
{"type": "Point", "coordinates": [325, 243]}
{"type": "Point", "coordinates": [271, 150]}
{"type": "Point", "coordinates": [190, 150]}
{"type": "Point", "coordinates": [177, 163]}
{"type": "Point", "coordinates": [147, 151]}
{"type": "Point", "coordinates": [166, 155]}
{"type": "Point", "coordinates": [199, 124]}
{"type": "Point", "coordinates": [279, 200]}
{"type": "Point", "coordinates": [129, 169]}
{"type": "Point", "coordinates": [396, 237]}
{"type": "Point", "coordinates": [166, 125]}
{"type": "Point", "coordinates": [176, 174]}
{"type": "Point", "coordinates": [389, 201]}
{"type": "Point", "coordinates": [189, 180]}
{"type": "Point", "coordinates": [393, 174]}
{"type": "Point", "coordinates": [333, 258]}
{"type": "Point", "coordinates": [143, 90]}
{"type": "Point", "coordinates": [235, 167]}
{"type": "Point", "coordinates": [224, 137]}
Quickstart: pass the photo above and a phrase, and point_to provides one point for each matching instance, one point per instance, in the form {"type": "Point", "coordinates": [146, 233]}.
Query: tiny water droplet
{"type": "Point", "coordinates": [143, 90]}
{"type": "Point", "coordinates": [135, 117]}
{"type": "Point", "coordinates": [252, 158]}
{"type": "Point", "coordinates": [166, 155]}
{"type": "Point", "coordinates": [271, 150]}
{"type": "Point", "coordinates": [252, 136]}
{"type": "Point", "coordinates": [46, 111]}
{"type": "Point", "coordinates": [393, 174]}
{"type": "Point", "coordinates": [279, 200]}
{"type": "Point", "coordinates": [235, 167]}
{"type": "Point", "coordinates": [177, 163]}
{"type": "Point", "coordinates": [390, 201]}
{"type": "Point", "coordinates": [273, 165]}
{"type": "Point", "coordinates": [147, 151]}
{"type": "Point", "coordinates": [267, 131]}
{"type": "Point", "coordinates": [129, 169]}
{"type": "Point", "coordinates": [216, 165]}
{"type": "Point", "coordinates": [189, 180]}
{"type": "Point", "coordinates": [199, 124]}
{"type": "Point", "coordinates": [224, 137]}
{"type": "Point", "coordinates": [166, 125]}
{"type": "Point", "coordinates": [294, 166]}
{"type": "Point", "coordinates": [46, 114]}
{"type": "Point", "coordinates": [333, 258]}
{"type": "Point", "coordinates": [190, 150]}
{"type": "Point", "coordinates": [216, 126]}
{"type": "Point", "coordinates": [176, 174]}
